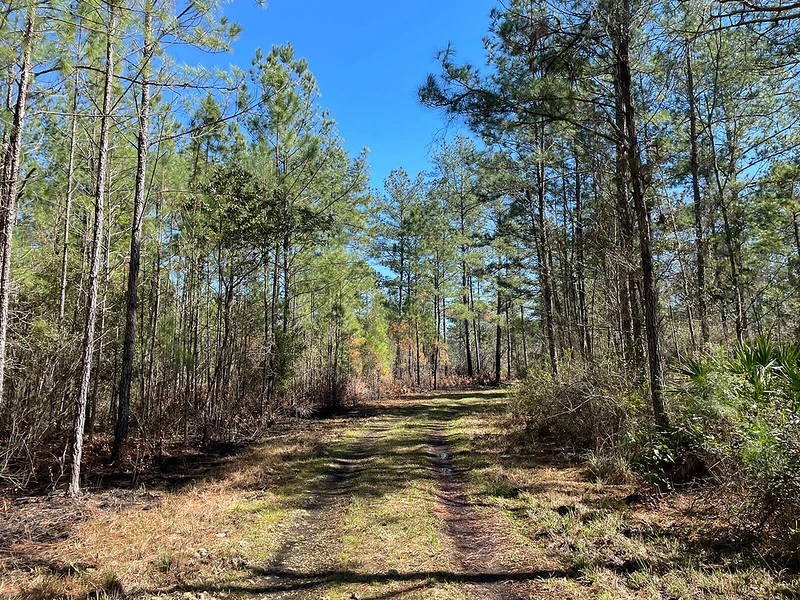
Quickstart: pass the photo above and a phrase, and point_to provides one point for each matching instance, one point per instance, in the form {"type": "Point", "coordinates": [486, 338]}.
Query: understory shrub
{"type": "Point", "coordinates": [584, 408]}
{"type": "Point", "coordinates": [743, 413]}
{"type": "Point", "coordinates": [733, 416]}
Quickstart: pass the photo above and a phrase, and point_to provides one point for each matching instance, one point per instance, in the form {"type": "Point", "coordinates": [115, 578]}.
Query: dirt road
{"type": "Point", "coordinates": [428, 496]}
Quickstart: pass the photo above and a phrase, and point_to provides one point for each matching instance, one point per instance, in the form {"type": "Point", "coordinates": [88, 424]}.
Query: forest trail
{"type": "Point", "coordinates": [424, 496]}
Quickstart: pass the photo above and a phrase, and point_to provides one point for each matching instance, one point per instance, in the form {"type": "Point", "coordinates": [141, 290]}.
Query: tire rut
{"type": "Point", "coordinates": [476, 551]}
{"type": "Point", "coordinates": [311, 544]}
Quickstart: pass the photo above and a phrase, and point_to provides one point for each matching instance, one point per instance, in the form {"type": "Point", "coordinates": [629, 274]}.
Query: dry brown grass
{"type": "Point", "coordinates": [672, 546]}
{"type": "Point", "coordinates": [158, 540]}
{"type": "Point", "coordinates": [551, 529]}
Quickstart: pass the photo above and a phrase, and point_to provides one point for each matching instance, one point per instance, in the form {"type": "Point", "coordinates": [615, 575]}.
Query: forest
{"type": "Point", "coordinates": [190, 257]}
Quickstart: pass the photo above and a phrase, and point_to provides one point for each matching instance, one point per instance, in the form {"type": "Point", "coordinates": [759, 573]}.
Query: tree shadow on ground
{"type": "Point", "coordinates": [282, 581]}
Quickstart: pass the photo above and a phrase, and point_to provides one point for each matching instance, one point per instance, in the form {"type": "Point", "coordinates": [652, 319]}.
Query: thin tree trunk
{"type": "Point", "coordinates": [92, 407]}
{"type": "Point", "coordinates": [437, 316]}
{"type": "Point", "coordinates": [416, 336]}
{"type": "Point", "coordinates": [627, 302]}
{"type": "Point", "coordinates": [273, 359]}
{"type": "Point", "coordinates": [139, 199]}
{"type": "Point", "coordinates": [511, 343]}
{"type": "Point", "coordinates": [633, 155]}
{"type": "Point", "coordinates": [544, 265]}
{"type": "Point", "coordinates": [796, 223]}
{"type": "Point", "coordinates": [12, 155]}
{"type": "Point", "coordinates": [524, 337]}
{"type": "Point", "coordinates": [476, 336]}
{"type": "Point", "coordinates": [91, 307]}
{"type": "Point", "coordinates": [583, 320]}
{"type": "Point", "coordinates": [498, 347]}
{"type": "Point", "coordinates": [699, 208]}
{"type": "Point", "coordinates": [155, 288]}
{"type": "Point", "coordinates": [684, 281]}
{"type": "Point", "coordinates": [68, 202]}
{"type": "Point", "coordinates": [730, 245]}
{"type": "Point", "coordinates": [465, 299]}
{"type": "Point", "coordinates": [266, 367]}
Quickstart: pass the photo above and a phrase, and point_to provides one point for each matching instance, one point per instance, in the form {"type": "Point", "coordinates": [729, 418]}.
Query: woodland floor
{"type": "Point", "coordinates": [426, 496]}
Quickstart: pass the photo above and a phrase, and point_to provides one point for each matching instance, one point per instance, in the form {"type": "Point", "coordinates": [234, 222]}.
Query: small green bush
{"type": "Point", "coordinates": [743, 414]}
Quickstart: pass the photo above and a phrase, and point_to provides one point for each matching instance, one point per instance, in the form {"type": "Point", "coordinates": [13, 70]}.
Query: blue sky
{"type": "Point", "coordinates": [369, 57]}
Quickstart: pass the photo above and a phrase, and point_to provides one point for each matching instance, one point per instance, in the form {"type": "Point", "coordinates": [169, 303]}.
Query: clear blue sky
{"type": "Point", "coordinates": [369, 57]}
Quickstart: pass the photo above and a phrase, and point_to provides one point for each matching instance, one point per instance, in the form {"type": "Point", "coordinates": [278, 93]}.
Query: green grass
{"type": "Point", "coordinates": [387, 537]}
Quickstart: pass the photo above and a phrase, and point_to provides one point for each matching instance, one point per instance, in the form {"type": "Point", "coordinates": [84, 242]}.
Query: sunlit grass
{"type": "Point", "coordinates": [609, 550]}
{"type": "Point", "coordinates": [386, 534]}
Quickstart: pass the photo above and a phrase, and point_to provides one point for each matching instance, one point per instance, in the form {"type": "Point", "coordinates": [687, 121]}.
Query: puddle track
{"type": "Point", "coordinates": [475, 549]}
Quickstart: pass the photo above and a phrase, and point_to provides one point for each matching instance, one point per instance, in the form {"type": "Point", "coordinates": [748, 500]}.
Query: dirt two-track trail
{"type": "Point", "coordinates": [395, 467]}
{"type": "Point", "coordinates": [429, 496]}
{"type": "Point", "coordinates": [409, 435]}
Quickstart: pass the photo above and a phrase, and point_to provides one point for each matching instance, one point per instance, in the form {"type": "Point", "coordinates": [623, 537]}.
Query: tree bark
{"type": "Point", "coordinates": [12, 154]}
{"type": "Point", "coordinates": [634, 164]}
{"type": "Point", "coordinates": [68, 202]}
{"type": "Point", "coordinates": [627, 298]}
{"type": "Point", "coordinates": [699, 208]}
{"type": "Point", "coordinates": [544, 266]}
{"type": "Point", "coordinates": [465, 298]}
{"type": "Point", "coordinates": [585, 336]}
{"type": "Point", "coordinates": [91, 305]}
{"type": "Point", "coordinates": [139, 200]}
{"type": "Point", "coordinates": [498, 349]}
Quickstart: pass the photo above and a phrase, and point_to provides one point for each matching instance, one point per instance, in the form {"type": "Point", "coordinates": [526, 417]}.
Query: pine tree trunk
{"type": "Point", "coordinates": [634, 164]}
{"type": "Point", "coordinates": [511, 343]}
{"type": "Point", "coordinates": [476, 335]}
{"type": "Point", "coordinates": [155, 295]}
{"type": "Point", "coordinates": [699, 209]}
{"type": "Point", "coordinates": [465, 300]}
{"type": "Point", "coordinates": [12, 154]}
{"type": "Point", "coordinates": [263, 401]}
{"type": "Point", "coordinates": [583, 319]}
{"type": "Point", "coordinates": [684, 283]}
{"type": "Point", "coordinates": [438, 318]}
{"type": "Point", "coordinates": [103, 303]}
{"type": "Point", "coordinates": [418, 357]}
{"type": "Point", "coordinates": [544, 265]}
{"type": "Point", "coordinates": [796, 223]}
{"type": "Point", "coordinates": [139, 199]}
{"type": "Point", "coordinates": [91, 305]}
{"type": "Point", "coordinates": [730, 245]}
{"type": "Point", "coordinates": [498, 346]}
{"type": "Point", "coordinates": [626, 299]}
{"type": "Point", "coordinates": [68, 202]}
{"type": "Point", "coordinates": [524, 337]}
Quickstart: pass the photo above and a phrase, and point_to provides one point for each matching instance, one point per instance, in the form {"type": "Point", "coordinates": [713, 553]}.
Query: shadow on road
{"type": "Point", "coordinates": [275, 581]}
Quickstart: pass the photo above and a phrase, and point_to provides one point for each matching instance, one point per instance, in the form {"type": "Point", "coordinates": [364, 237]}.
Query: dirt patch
{"type": "Point", "coordinates": [310, 546]}
{"type": "Point", "coordinates": [476, 548]}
